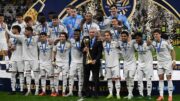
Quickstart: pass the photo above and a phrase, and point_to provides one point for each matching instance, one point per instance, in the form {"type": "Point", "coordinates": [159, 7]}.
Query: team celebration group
{"type": "Point", "coordinates": [76, 45]}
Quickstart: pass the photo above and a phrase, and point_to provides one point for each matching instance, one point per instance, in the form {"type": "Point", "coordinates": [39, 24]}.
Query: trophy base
{"type": "Point", "coordinates": [89, 62]}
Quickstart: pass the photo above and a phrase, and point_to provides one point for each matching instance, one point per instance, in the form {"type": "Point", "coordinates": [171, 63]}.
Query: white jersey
{"type": "Point", "coordinates": [163, 49]}
{"type": "Point", "coordinates": [22, 25]}
{"type": "Point", "coordinates": [56, 30]}
{"type": "Point", "coordinates": [111, 53]}
{"type": "Point", "coordinates": [45, 52]}
{"type": "Point", "coordinates": [17, 53]}
{"type": "Point", "coordinates": [62, 52]}
{"type": "Point", "coordinates": [144, 54]}
{"type": "Point", "coordinates": [30, 50]}
{"type": "Point", "coordinates": [40, 28]}
{"type": "Point", "coordinates": [87, 27]}
{"type": "Point", "coordinates": [3, 33]}
{"type": "Point", "coordinates": [115, 33]}
{"type": "Point", "coordinates": [128, 52]}
{"type": "Point", "coordinates": [76, 54]}
{"type": "Point", "coordinates": [105, 24]}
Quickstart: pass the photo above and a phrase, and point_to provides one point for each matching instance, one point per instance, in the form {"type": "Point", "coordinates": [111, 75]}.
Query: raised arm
{"type": "Point", "coordinates": [19, 37]}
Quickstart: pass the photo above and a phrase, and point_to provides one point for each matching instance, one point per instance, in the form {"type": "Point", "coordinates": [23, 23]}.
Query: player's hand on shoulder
{"type": "Point", "coordinates": [56, 41]}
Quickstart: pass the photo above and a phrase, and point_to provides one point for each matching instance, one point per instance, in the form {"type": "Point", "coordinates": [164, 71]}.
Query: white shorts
{"type": "Point", "coordinates": [3, 45]}
{"type": "Point", "coordinates": [17, 66]}
{"type": "Point", "coordinates": [129, 70]}
{"type": "Point", "coordinates": [113, 72]}
{"type": "Point", "coordinates": [61, 67]}
{"type": "Point", "coordinates": [76, 69]}
{"type": "Point", "coordinates": [46, 69]}
{"type": "Point", "coordinates": [146, 72]}
{"type": "Point", "coordinates": [165, 68]}
{"type": "Point", "coordinates": [31, 65]}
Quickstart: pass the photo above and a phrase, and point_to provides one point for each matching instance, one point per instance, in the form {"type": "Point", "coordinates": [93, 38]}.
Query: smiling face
{"type": "Point", "coordinates": [157, 36]}
{"type": "Point", "coordinates": [15, 31]}
{"type": "Point", "coordinates": [62, 38]}
{"type": "Point", "coordinates": [73, 12]}
{"type": "Point", "coordinates": [114, 11]}
{"type": "Point", "coordinates": [88, 17]}
{"type": "Point", "coordinates": [43, 38]}
{"type": "Point", "coordinates": [55, 21]}
{"type": "Point", "coordinates": [28, 33]}
{"type": "Point", "coordinates": [114, 22]}
{"type": "Point", "coordinates": [19, 19]}
{"type": "Point", "coordinates": [138, 39]}
{"type": "Point", "coordinates": [107, 36]}
{"type": "Point", "coordinates": [76, 36]}
{"type": "Point", "coordinates": [124, 37]}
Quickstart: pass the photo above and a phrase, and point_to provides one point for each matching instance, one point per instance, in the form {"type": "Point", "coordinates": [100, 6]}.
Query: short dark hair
{"type": "Point", "coordinates": [43, 33]}
{"type": "Point", "coordinates": [29, 29]}
{"type": "Point", "coordinates": [27, 19]}
{"type": "Point", "coordinates": [115, 18]}
{"type": "Point", "coordinates": [17, 27]}
{"type": "Point", "coordinates": [113, 6]}
{"type": "Point", "coordinates": [138, 34]}
{"type": "Point", "coordinates": [156, 31]}
{"type": "Point", "coordinates": [51, 13]}
{"type": "Point", "coordinates": [65, 34]}
{"type": "Point", "coordinates": [19, 15]}
{"type": "Point", "coordinates": [125, 32]}
{"type": "Point", "coordinates": [42, 19]}
{"type": "Point", "coordinates": [55, 16]}
{"type": "Point", "coordinates": [77, 30]}
{"type": "Point", "coordinates": [70, 6]}
{"type": "Point", "coordinates": [107, 31]}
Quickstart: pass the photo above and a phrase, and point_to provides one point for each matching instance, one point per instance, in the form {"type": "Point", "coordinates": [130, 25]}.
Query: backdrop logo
{"type": "Point", "coordinates": [126, 7]}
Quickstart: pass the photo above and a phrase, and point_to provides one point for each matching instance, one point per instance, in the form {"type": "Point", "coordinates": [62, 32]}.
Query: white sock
{"type": "Point", "coordinates": [131, 86]}
{"type": "Point", "coordinates": [110, 86]}
{"type": "Point", "coordinates": [6, 58]}
{"type": "Point", "coordinates": [64, 83]}
{"type": "Point", "coordinates": [161, 87]}
{"type": "Point", "coordinates": [28, 81]}
{"type": "Point", "coordinates": [118, 86]}
{"type": "Point", "coordinates": [52, 84]}
{"type": "Point", "coordinates": [80, 83]}
{"type": "Point", "coordinates": [71, 84]}
{"type": "Point", "coordinates": [21, 79]}
{"type": "Point", "coordinates": [36, 79]}
{"type": "Point", "coordinates": [13, 81]}
{"type": "Point", "coordinates": [149, 87]}
{"type": "Point", "coordinates": [43, 83]}
{"type": "Point", "coordinates": [170, 87]}
{"type": "Point", "coordinates": [56, 83]}
{"type": "Point", "coordinates": [140, 87]}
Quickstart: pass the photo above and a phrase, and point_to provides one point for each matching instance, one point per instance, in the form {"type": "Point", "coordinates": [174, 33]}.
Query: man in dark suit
{"type": "Point", "coordinates": [94, 46]}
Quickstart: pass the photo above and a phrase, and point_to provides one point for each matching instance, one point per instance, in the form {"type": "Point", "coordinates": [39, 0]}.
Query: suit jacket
{"type": "Point", "coordinates": [95, 52]}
